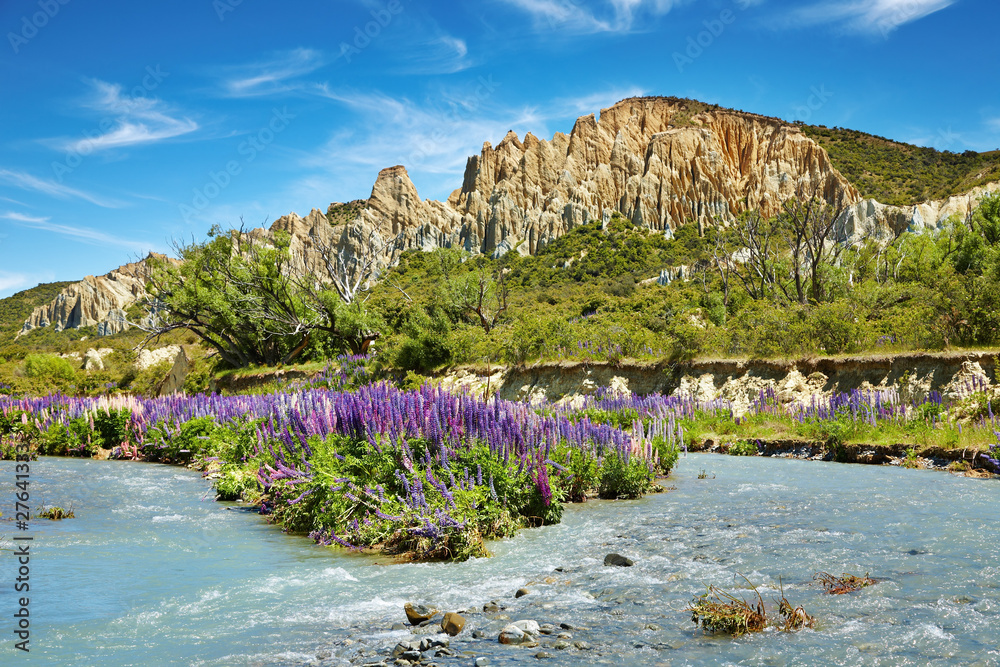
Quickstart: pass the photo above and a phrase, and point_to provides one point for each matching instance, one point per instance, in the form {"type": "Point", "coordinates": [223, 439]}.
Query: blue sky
{"type": "Point", "coordinates": [126, 125]}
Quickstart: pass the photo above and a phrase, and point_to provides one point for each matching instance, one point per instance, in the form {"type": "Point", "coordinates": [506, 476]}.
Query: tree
{"type": "Point", "coordinates": [254, 300]}
{"type": "Point", "coordinates": [754, 262]}
{"type": "Point", "coordinates": [351, 267]}
{"type": "Point", "coordinates": [481, 293]}
{"type": "Point", "coordinates": [810, 232]}
{"type": "Point", "coordinates": [237, 293]}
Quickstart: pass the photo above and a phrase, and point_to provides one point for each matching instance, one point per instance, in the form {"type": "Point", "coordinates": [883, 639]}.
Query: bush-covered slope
{"type": "Point", "coordinates": [896, 173]}
{"type": "Point", "coordinates": [14, 310]}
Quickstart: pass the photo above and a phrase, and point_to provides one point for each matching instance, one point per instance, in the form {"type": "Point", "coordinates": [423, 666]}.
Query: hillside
{"type": "Point", "coordinates": [14, 310]}
{"type": "Point", "coordinates": [893, 172]}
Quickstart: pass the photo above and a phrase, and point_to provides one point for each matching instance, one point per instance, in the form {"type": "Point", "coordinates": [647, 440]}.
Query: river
{"type": "Point", "coordinates": [153, 571]}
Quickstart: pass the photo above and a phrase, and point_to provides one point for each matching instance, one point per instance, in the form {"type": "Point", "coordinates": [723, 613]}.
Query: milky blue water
{"type": "Point", "coordinates": [152, 571]}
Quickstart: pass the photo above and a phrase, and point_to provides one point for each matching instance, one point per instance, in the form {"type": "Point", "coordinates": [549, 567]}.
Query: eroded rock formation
{"type": "Point", "coordinates": [661, 162]}
{"type": "Point", "coordinates": [98, 301]}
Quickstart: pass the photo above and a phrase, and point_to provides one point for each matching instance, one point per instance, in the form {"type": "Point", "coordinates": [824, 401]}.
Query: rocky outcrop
{"type": "Point", "coordinates": [97, 301]}
{"type": "Point", "coordinates": [871, 219]}
{"type": "Point", "coordinates": [174, 381]}
{"type": "Point", "coordinates": [93, 360]}
{"type": "Point", "coordinates": [660, 162]}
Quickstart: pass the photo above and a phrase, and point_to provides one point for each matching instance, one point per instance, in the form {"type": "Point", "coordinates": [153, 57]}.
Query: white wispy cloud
{"type": "Point", "coordinates": [866, 16]}
{"type": "Point", "coordinates": [280, 74]}
{"type": "Point", "coordinates": [440, 54]}
{"type": "Point", "coordinates": [131, 120]}
{"type": "Point", "coordinates": [21, 217]}
{"type": "Point", "coordinates": [26, 181]}
{"type": "Point", "coordinates": [434, 137]}
{"type": "Point", "coordinates": [12, 281]}
{"type": "Point", "coordinates": [84, 234]}
{"type": "Point", "coordinates": [615, 16]}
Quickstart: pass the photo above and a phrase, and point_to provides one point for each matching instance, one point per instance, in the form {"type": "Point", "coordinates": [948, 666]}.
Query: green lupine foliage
{"type": "Point", "coordinates": [621, 479]}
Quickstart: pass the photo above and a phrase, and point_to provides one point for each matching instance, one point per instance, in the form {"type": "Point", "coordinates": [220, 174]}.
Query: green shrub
{"type": "Point", "coordinates": [49, 367]}
{"type": "Point", "coordinates": [147, 381]}
{"type": "Point", "coordinates": [583, 475]}
{"type": "Point", "coordinates": [742, 448]}
{"type": "Point", "coordinates": [667, 454]}
{"type": "Point", "coordinates": [424, 344]}
{"type": "Point", "coordinates": [113, 427]}
{"type": "Point", "coordinates": [836, 327]}
{"type": "Point", "coordinates": [623, 479]}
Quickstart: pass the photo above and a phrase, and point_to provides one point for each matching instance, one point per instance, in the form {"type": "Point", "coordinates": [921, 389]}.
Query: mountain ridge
{"type": "Point", "coordinates": [661, 162]}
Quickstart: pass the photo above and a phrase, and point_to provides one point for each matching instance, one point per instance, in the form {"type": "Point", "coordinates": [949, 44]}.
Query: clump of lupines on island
{"type": "Point", "coordinates": [432, 474]}
{"type": "Point", "coordinates": [424, 473]}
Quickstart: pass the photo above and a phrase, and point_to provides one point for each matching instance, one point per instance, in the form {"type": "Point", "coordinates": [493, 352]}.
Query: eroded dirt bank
{"type": "Point", "coordinates": [913, 375]}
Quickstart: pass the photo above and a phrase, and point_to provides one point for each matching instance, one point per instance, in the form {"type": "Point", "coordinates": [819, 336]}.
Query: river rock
{"type": "Point", "coordinates": [617, 560]}
{"type": "Point", "coordinates": [521, 592]}
{"type": "Point", "coordinates": [417, 613]}
{"type": "Point", "coordinates": [427, 643]}
{"type": "Point", "coordinates": [511, 634]}
{"type": "Point", "coordinates": [528, 627]}
{"type": "Point", "coordinates": [492, 608]}
{"type": "Point", "coordinates": [403, 647]}
{"type": "Point", "coordinates": [452, 623]}
{"type": "Point", "coordinates": [519, 632]}
{"type": "Point", "coordinates": [546, 628]}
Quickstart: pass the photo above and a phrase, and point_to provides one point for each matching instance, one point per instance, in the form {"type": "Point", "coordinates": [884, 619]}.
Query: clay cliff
{"type": "Point", "coordinates": [661, 162]}
{"type": "Point", "coordinates": [94, 301]}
